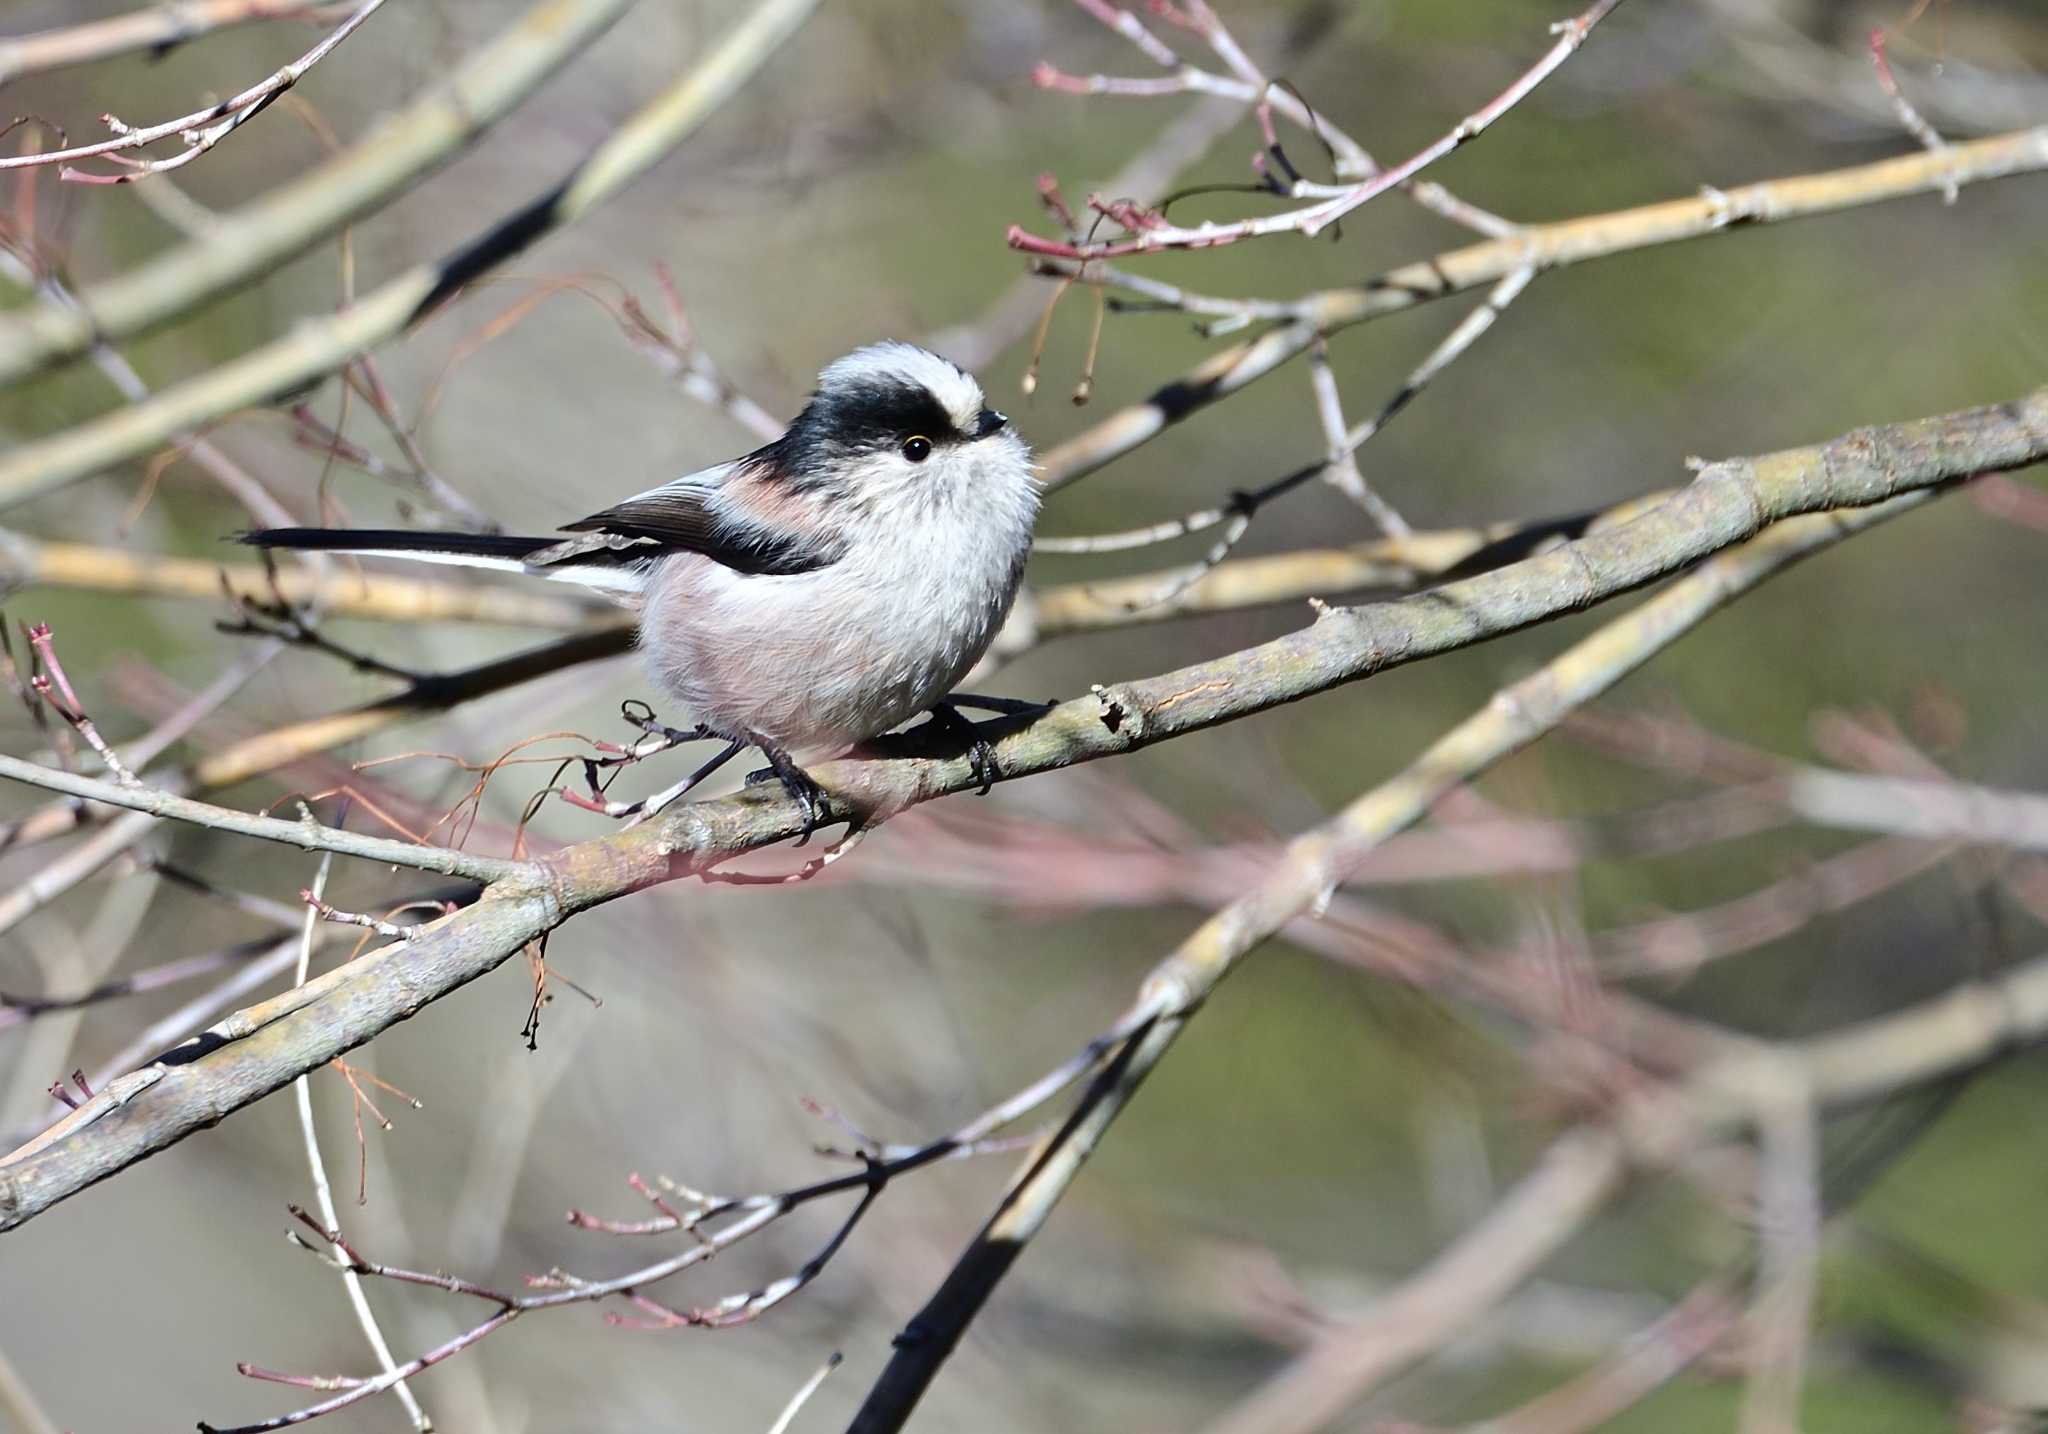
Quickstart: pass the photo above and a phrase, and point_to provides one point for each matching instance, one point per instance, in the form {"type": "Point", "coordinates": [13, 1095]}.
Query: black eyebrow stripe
{"type": "Point", "coordinates": [882, 410]}
{"type": "Point", "coordinates": [864, 416]}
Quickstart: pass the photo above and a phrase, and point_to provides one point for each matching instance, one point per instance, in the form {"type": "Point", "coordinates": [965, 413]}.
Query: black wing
{"type": "Point", "coordinates": [681, 516]}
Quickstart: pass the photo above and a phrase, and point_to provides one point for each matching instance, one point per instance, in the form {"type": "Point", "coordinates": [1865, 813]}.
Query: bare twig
{"type": "Point", "coordinates": [690, 1211]}
{"type": "Point", "coordinates": [16, 1008]}
{"type": "Point", "coordinates": [803, 1395]}
{"type": "Point", "coordinates": [1788, 1220]}
{"type": "Point", "coordinates": [289, 219]}
{"type": "Point", "coordinates": [1543, 247]}
{"type": "Point", "coordinates": [317, 347]}
{"type": "Point", "coordinates": [1915, 124]}
{"type": "Point", "coordinates": [202, 129]}
{"type": "Point", "coordinates": [323, 1193]}
{"type": "Point", "coordinates": [1153, 237]}
{"type": "Point", "coordinates": [308, 835]}
{"type": "Point", "coordinates": [19, 1403]}
{"type": "Point", "coordinates": [159, 28]}
{"type": "Point", "coordinates": [1659, 1354]}
{"type": "Point", "coordinates": [1339, 463]}
{"type": "Point", "coordinates": [54, 687]}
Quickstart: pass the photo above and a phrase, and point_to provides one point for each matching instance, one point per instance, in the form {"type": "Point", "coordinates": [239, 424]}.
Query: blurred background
{"type": "Point", "coordinates": [1322, 1130]}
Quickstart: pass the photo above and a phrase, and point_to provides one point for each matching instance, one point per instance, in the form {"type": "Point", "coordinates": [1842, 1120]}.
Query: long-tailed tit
{"type": "Point", "coordinates": [814, 593]}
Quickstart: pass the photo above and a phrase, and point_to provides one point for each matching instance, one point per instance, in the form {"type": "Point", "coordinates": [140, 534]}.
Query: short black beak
{"type": "Point", "coordinates": [989, 422]}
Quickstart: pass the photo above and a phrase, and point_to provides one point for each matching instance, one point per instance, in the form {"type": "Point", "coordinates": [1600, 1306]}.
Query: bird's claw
{"type": "Point", "coordinates": [981, 753]}
{"type": "Point", "coordinates": [807, 794]}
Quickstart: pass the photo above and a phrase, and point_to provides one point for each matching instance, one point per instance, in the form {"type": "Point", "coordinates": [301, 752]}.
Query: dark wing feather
{"type": "Point", "coordinates": [680, 517]}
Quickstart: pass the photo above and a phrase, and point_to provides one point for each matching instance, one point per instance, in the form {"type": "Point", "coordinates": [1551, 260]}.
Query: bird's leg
{"type": "Point", "coordinates": [650, 805]}
{"type": "Point", "coordinates": [647, 806]}
{"type": "Point", "coordinates": [980, 754]}
{"type": "Point", "coordinates": [660, 738]}
{"type": "Point", "coordinates": [795, 780]}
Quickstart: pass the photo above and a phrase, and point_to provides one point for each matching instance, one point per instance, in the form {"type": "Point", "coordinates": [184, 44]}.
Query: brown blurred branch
{"type": "Point", "coordinates": [1657, 1355]}
{"type": "Point", "coordinates": [1965, 1027]}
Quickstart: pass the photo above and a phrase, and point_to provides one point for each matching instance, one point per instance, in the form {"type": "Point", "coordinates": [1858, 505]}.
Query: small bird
{"type": "Point", "coordinates": [815, 593]}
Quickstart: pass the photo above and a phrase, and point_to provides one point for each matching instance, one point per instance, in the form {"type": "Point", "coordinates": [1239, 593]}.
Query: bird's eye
{"type": "Point", "coordinates": [917, 448]}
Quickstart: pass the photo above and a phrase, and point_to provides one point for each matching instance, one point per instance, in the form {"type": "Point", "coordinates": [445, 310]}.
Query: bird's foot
{"type": "Point", "coordinates": [981, 754]}
{"type": "Point", "coordinates": [647, 806]}
{"type": "Point", "coordinates": [657, 736]}
{"type": "Point", "coordinates": [806, 793]}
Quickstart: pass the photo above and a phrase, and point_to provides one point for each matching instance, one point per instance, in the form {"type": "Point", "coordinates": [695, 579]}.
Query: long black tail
{"type": "Point", "coordinates": [619, 575]}
{"type": "Point", "coordinates": [399, 541]}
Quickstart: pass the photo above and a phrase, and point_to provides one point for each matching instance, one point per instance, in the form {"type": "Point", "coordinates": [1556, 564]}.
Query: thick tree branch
{"type": "Point", "coordinates": [1726, 504]}
{"type": "Point", "coordinates": [1313, 865]}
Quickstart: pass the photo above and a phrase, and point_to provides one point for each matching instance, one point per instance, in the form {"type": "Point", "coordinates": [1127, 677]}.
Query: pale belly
{"type": "Point", "coordinates": [815, 660]}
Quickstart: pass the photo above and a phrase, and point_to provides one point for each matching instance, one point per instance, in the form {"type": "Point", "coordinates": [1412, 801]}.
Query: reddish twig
{"type": "Point", "coordinates": [681, 1209]}
{"type": "Point", "coordinates": [54, 687]}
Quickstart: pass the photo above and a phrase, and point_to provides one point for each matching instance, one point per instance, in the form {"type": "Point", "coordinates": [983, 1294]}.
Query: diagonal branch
{"type": "Point", "coordinates": [258, 1050]}
{"type": "Point", "coordinates": [1583, 1168]}
{"type": "Point", "coordinates": [1541, 246]}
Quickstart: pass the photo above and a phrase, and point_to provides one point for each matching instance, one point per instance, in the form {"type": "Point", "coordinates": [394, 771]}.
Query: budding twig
{"type": "Point", "coordinates": [54, 687]}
